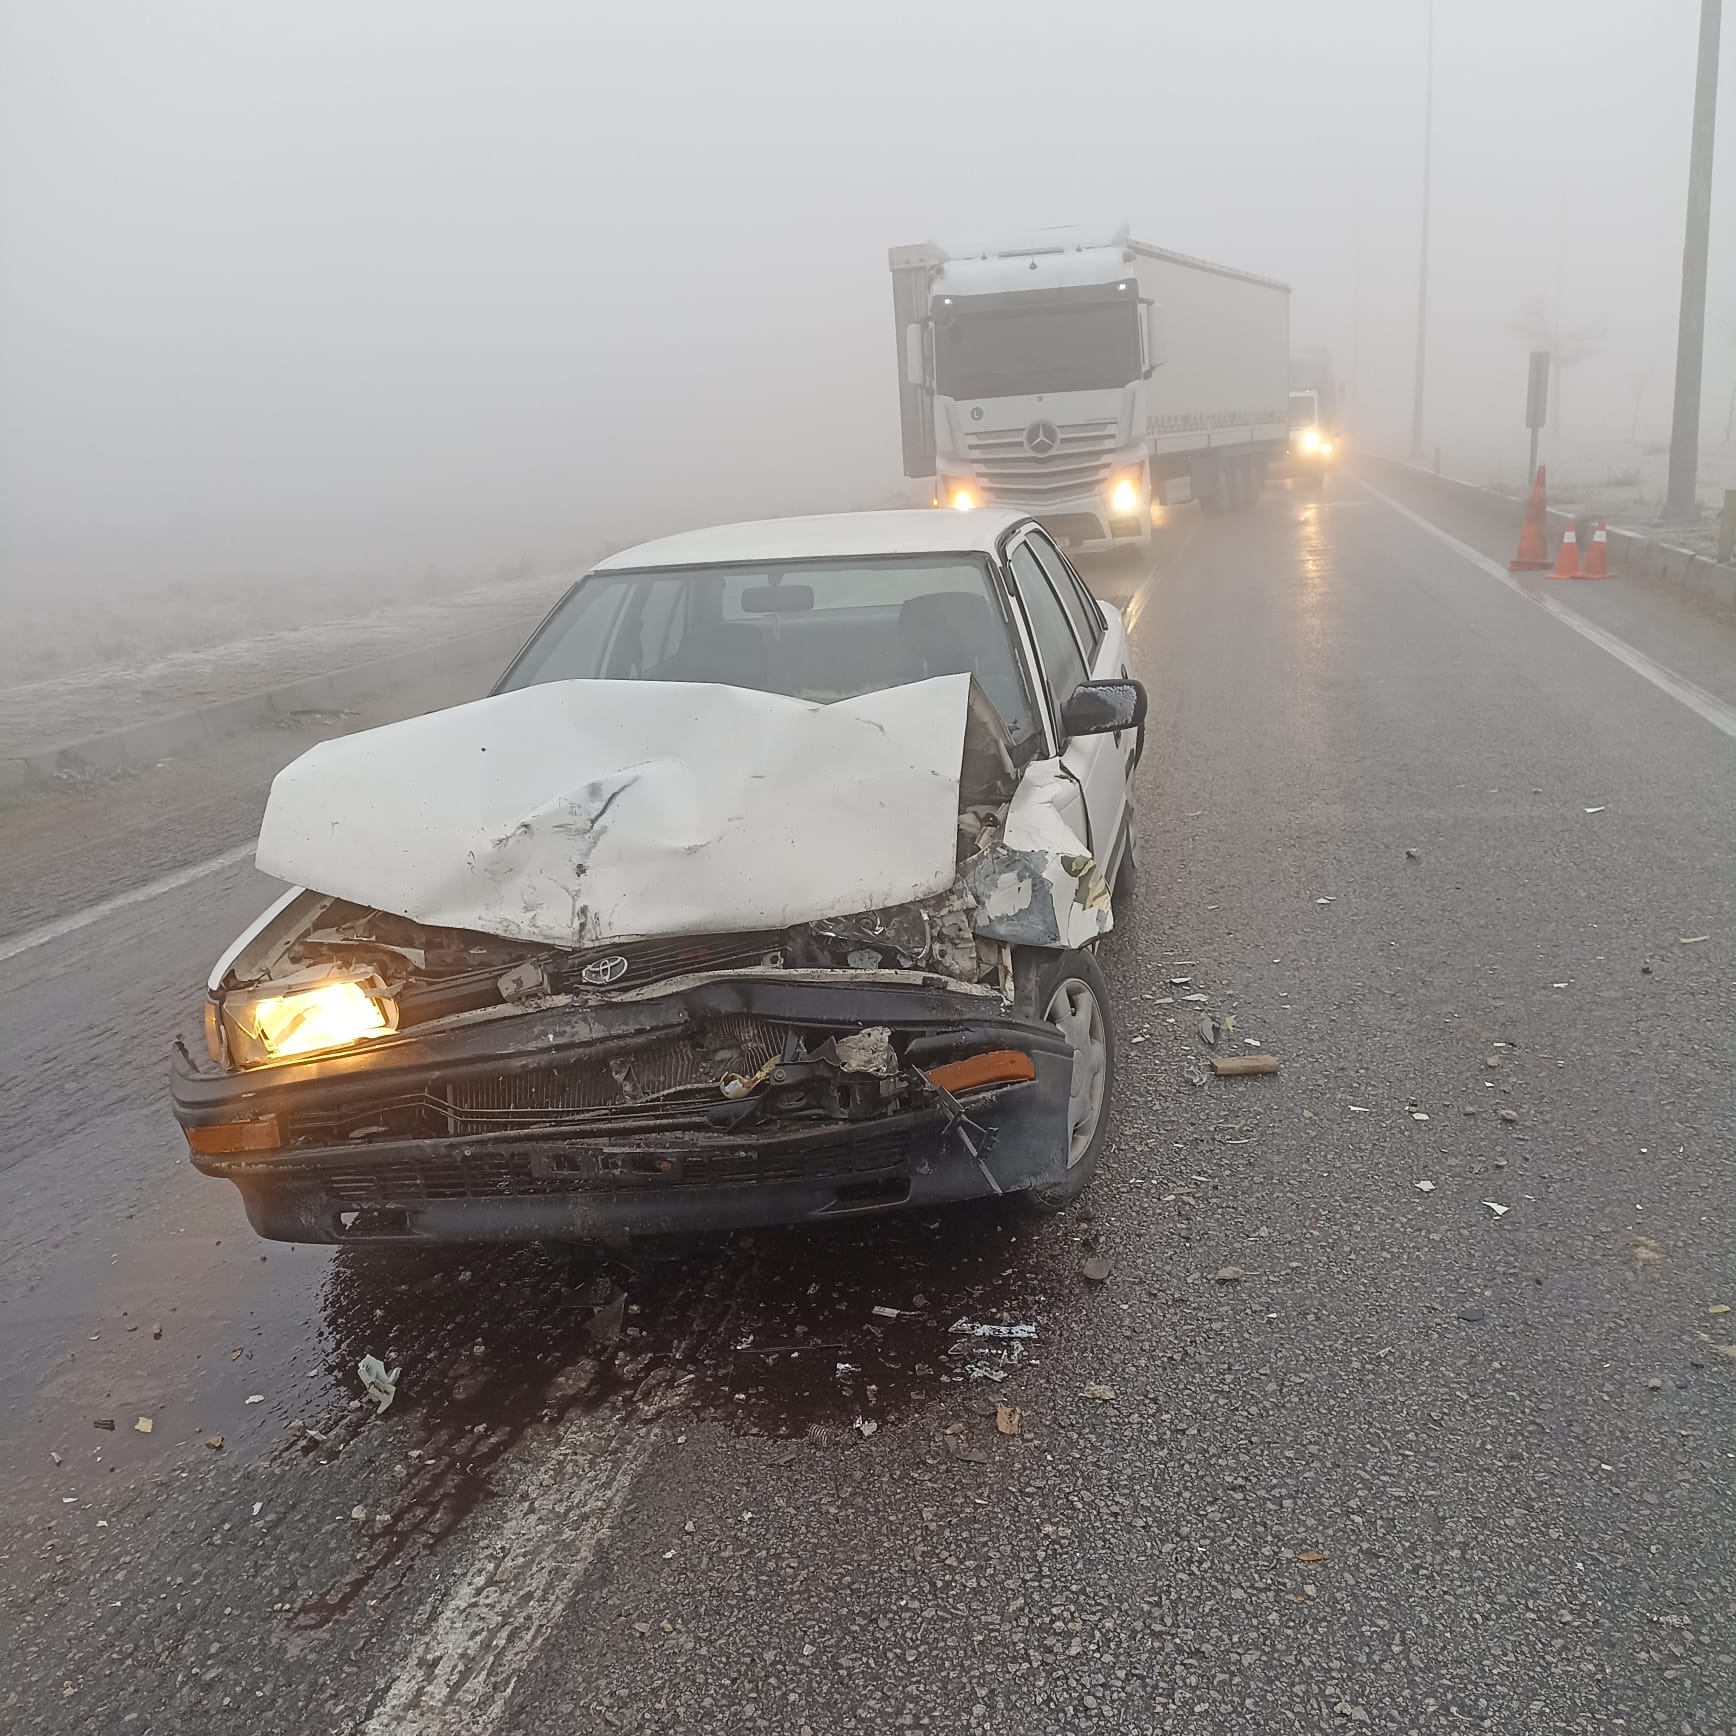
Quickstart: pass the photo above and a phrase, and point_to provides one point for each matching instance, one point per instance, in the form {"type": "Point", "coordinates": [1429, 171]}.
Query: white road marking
{"type": "Point", "coordinates": [1714, 710]}
{"type": "Point", "coordinates": [476, 1639]}
{"type": "Point", "coordinates": [32, 938]}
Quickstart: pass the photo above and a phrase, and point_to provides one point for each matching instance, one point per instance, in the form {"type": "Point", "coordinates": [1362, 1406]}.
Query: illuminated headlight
{"type": "Point", "coordinates": [959, 494]}
{"type": "Point", "coordinates": [1309, 440]}
{"type": "Point", "coordinates": [306, 1018]}
{"type": "Point", "coordinates": [1126, 492]}
{"type": "Point", "coordinates": [1325, 448]}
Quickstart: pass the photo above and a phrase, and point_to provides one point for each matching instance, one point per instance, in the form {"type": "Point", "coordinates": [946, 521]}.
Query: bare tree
{"type": "Point", "coordinates": [1537, 328]}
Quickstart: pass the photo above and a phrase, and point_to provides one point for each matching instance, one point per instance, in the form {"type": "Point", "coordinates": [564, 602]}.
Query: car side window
{"type": "Point", "coordinates": [1059, 650]}
{"type": "Point", "coordinates": [1080, 605]}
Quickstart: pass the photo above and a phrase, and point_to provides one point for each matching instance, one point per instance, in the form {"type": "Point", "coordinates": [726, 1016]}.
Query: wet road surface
{"type": "Point", "coordinates": [1329, 1447]}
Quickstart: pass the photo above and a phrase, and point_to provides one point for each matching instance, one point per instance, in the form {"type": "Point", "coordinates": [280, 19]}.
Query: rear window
{"type": "Point", "coordinates": [818, 630]}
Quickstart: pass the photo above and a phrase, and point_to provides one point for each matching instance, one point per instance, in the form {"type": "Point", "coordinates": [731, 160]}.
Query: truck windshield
{"type": "Point", "coordinates": [997, 346]}
{"type": "Point", "coordinates": [815, 629]}
{"type": "Point", "coordinates": [1303, 411]}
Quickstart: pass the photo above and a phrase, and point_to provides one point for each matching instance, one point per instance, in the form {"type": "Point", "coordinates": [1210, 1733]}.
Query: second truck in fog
{"type": "Point", "coordinates": [1083, 379]}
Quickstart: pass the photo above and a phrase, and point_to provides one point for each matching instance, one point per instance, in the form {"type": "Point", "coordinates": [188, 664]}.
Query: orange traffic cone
{"type": "Point", "coordinates": [1568, 566]}
{"type": "Point", "coordinates": [1531, 558]}
{"type": "Point", "coordinates": [1597, 555]}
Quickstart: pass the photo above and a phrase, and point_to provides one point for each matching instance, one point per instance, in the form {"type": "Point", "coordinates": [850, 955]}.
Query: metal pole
{"type": "Point", "coordinates": [1531, 468]}
{"type": "Point", "coordinates": [1679, 501]}
{"type": "Point", "coordinates": [1423, 263]}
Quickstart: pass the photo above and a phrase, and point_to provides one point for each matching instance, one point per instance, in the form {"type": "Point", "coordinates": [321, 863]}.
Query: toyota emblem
{"type": "Point", "coordinates": [601, 971]}
{"type": "Point", "coordinates": [1042, 438]}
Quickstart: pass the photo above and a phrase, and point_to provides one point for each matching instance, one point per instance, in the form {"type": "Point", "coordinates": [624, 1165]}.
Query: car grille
{"type": "Point", "coordinates": [652, 961]}
{"type": "Point", "coordinates": [662, 1074]}
{"type": "Point", "coordinates": [1012, 475]}
{"type": "Point", "coordinates": [518, 1174]}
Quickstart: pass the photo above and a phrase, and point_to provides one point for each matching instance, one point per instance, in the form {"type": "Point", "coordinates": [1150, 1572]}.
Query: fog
{"type": "Point", "coordinates": [318, 288]}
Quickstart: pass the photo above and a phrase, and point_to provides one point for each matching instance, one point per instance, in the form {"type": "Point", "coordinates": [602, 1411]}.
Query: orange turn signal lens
{"type": "Point", "coordinates": [229, 1137]}
{"type": "Point", "coordinates": [997, 1067]}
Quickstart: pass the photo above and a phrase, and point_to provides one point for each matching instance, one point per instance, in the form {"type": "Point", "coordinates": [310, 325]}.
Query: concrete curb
{"type": "Point", "coordinates": [1632, 554]}
{"type": "Point", "coordinates": [143, 744]}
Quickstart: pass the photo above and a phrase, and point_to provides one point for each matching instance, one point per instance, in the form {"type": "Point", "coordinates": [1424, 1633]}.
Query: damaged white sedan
{"type": "Point", "coordinates": [763, 889]}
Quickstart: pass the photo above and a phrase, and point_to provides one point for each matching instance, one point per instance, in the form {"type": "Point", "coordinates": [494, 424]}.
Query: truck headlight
{"type": "Point", "coordinates": [960, 495]}
{"type": "Point", "coordinates": [1309, 440]}
{"type": "Point", "coordinates": [306, 1018]}
{"type": "Point", "coordinates": [1126, 489]}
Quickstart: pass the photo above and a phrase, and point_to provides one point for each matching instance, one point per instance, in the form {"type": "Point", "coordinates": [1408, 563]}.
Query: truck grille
{"type": "Point", "coordinates": [1011, 474]}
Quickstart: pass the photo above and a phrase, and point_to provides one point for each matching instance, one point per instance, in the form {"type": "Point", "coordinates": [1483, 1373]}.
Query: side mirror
{"type": "Point", "coordinates": [1156, 337]}
{"type": "Point", "coordinates": [915, 363]}
{"type": "Point", "coordinates": [1103, 708]}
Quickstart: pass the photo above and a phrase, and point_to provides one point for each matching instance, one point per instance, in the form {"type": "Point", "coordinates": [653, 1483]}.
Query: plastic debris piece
{"type": "Point", "coordinates": [1499, 1210]}
{"type": "Point", "coordinates": [1194, 1075]}
{"type": "Point", "coordinates": [1692, 939]}
{"type": "Point", "coordinates": [1413, 855]}
{"type": "Point", "coordinates": [382, 1387]}
{"type": "Point", "coordinates": [1719, 1308]}
{"type": "Point", "coordinates": [1099, 1390]}
{"type": "Point", "coordinates": [1009, 1419]}
{"type": "Point", "coordinates": [214, 1442]}
{"type": "Point", "coordinates": [1594, 810]}
{"type": "Point", "coordinates": [886, 1313]}
{"type": "Point", "coordinates": [1196, 998]}
{"type": "Point", "coordinates": [865, 1426]}
{"type": "Point", "coordinates": [254, 1398]}
{"type": "Point", "coordinates": [1419, 1115]}
{"type": "Point", "coordinates": [988, 1329]}
{"type": "Point", "coordinates": [1094, 1269]}
{"type": "Point", "coordinates": [143, 1426]}
{"type": "Point", "coordinates": [1229, 1274]}
{"type": "Point", "coordinates": [1332, 900]}
{"type": "Point", "coordinates": [1243, 1066]}
{"type": "Point", "coordinates": [1425, 1187]}
{"type": "Point", "coordinates": [359, 1514]}
{"type": "Point", "coordinates": [1251, 1042]}
{"type": "Point", "coordinates": [1208, 1030]}
{"type": "Point", "coordinates": [103, 1423]}
{"type": "Point", "coordinates": [1359, 1109]}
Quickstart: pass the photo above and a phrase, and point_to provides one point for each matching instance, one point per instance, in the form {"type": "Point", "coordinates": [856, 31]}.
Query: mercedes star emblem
{"type": "Point", "coordinates": [605, 970]}
{"type": "Point", "coordinates": [1042, 438]}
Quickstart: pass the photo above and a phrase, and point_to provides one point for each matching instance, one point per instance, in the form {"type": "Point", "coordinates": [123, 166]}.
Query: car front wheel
{"type": "Point", "coordinates": [1068, 990]}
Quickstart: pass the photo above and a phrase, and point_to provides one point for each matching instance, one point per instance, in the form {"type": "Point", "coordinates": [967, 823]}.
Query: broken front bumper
{"type": "Point", "coordinates": [493, 1131]}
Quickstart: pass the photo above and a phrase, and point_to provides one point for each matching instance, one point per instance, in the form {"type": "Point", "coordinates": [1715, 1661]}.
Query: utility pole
{"type": "Point", "coordinates": [1679, 501]}
{"type": "Point", "coordinates": [1423, 264]}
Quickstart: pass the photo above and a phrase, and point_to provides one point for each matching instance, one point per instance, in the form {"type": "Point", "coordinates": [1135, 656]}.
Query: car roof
{"type": "Point", "coordinates": [921, 531]}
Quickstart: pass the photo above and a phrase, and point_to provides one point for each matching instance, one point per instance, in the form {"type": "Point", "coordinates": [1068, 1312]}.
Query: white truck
{"type": "Point", "coordinates": [1086, 379]}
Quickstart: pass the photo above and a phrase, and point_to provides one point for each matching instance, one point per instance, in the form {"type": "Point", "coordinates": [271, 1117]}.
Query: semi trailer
{"type": "Point", "coordinates": [1088, 379]}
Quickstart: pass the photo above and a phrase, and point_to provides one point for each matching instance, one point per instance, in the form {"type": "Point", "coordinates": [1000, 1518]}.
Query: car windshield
{"type": "Point", "coordinates": [996, 346]}
{"type": "Point", "coordinates": [817, 629]}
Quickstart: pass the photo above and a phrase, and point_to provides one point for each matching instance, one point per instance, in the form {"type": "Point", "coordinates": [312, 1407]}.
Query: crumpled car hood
{"type": "Point", "coordinates": [579, 812]}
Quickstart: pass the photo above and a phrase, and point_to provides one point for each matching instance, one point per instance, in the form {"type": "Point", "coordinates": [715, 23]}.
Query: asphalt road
{"type": "Point", "coordinates": [1453, 1451]}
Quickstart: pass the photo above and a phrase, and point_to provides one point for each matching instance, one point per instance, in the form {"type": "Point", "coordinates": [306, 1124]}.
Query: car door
{"type": "Point", "coordinates": [1093, 760]}
{"type": "Point", "coordinates": [1103, 638]}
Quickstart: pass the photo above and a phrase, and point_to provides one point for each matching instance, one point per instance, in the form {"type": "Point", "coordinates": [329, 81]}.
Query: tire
{"type": "Point", "coordinates": [1069, 986]}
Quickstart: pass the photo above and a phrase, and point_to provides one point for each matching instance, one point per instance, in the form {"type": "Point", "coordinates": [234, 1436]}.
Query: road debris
{"type": "Point", "coordinates": [886, 1313]}
{"type": "Point", "coordinates": [1693, 939]}
{"type": "Point", "coordinates": [1196, 998]}
{"type": "Point", "coordinates": [251, 1398]}
{"type": "Point", "coordinates": [1208, 1028]}
{"type": "Point", "coordinates": [1726, 1351]}
{"type": "Point", "coordinates": [1094, 1269]}
{"type": "Point", "coordinates": [359, 1514]}
{"type": "Point", "coordinates": [1425, 1187]}
{"type": "Point", "coordinates": [143, 1426]}
{"type": "Point", "coordinates": [1510, 1116]}
{"type": "Point", "coordinates": [1500, 1211]}
{"type": "Point", "coordinates": [604, 1327]}
{"type": "Point", "coordinates": [1719, 1308]}
{"type": "Point", "coordinates": [1413, 855]}
{"type": "Point", "coordinates": [865, 1426]}
{"type": "Point", "coordinates": [1229, 1274]}
{"type": "Point", "coordinates": [1098, 1390]}
{"type": "Point", "coordinates": [103, 1423]}
{"type": "Point", "coordinates": [1359, 1109]}
{"type": "Point", "coordinates": [1419, 1115]}
{"type": "Point", "coordinates": [1331, 900]}
{"type": "Point", "coordinates": [1195, 1076]}
{"type": "Point", "coordinates": [988, 1329]}
{"type": "Point", "coordinates": [214, 1442]}
{"type": "Point", "coordinates": [1009, 1419]}
{"type": "Point", "coordinates": [156, 1330]}
{"type": "Point", "coordinates": [1595, 810]}
{"type": "Point", "coordinates": [382, 1387]}
{"type": "Point", "coordinates": [1243, 1066]}
{"type": "Point", "coordinates": [1311, 1556]}
{"type": "Point", "coordinates": [1647, 1252]}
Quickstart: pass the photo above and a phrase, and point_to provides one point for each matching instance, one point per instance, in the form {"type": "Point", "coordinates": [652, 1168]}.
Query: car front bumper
{"type": "Point", "coordinates": [631, 1170]}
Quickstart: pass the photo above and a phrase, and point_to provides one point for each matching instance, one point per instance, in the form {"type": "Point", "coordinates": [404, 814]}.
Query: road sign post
{"type": "Point", "coordinates": [1536, 402]}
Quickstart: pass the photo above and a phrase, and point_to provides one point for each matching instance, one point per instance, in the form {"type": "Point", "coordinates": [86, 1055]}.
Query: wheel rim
{"type": "Point", "coordinates": [1074, 1012]}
